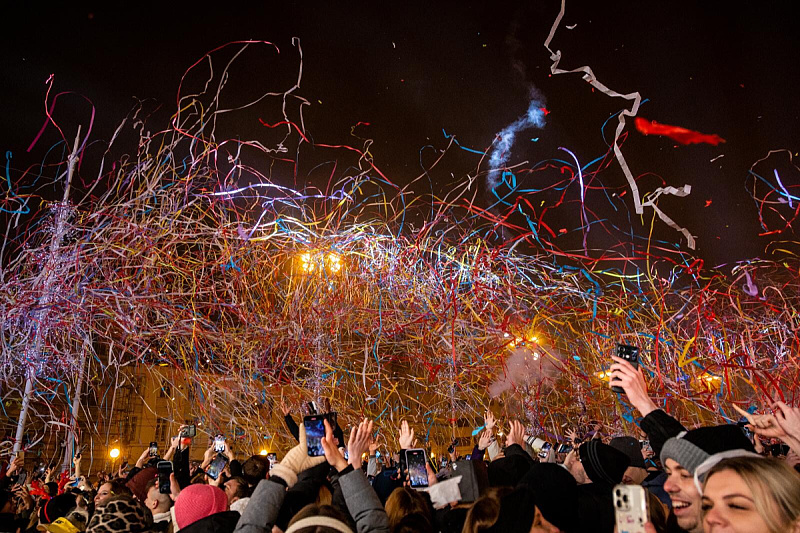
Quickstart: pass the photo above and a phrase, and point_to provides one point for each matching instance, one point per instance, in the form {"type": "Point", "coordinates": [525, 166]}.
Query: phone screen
{"type": "Point", "coordinates": [630, 354]}
{"type": "Point", "coordinates": [153, 449]}
{"type": "Point", "coordinates": [315, 430]}
{"type": "Point", "coordinates": [546, 447]}
{"type": "Point", "coordinates": [273, 459]}
{"type": "Point", "coordinates": [23, 476]}
{"type": "Point", "coordinates": [219, 444]}
{"type": "Point", "coordinates": [417, 473]}
{"type": "Point", "coordinates": [164, 470]}
{"type": "Point", "coordinates": [564, 448]}
{"type": "Point", "coordinates": [217, 466]}
{"type": "Point", "coordinates": [189, 431]}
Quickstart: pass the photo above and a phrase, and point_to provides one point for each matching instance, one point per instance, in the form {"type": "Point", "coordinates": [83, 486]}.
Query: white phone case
{"type": "Point", "coordinates": [630, 507]}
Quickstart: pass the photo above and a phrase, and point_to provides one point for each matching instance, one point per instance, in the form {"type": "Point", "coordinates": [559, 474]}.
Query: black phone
{"type": "Point", "coordinates": [153, 449]}
{"type": "Point", "coordinates": [164, 470]}
{"type": "Point", "coordinates": [564, 448]}
{"type": "Point", "coordinates": [219, 444]}
{"type": "Point", "coordinates": [22, 477]}
{"type": "Point", "coordinates": [189, 431]}
{"type": "Point", "coordinates": [315, 430]}
{"type": "Point", "coordinates": [217, 466]}
{"type": "Point", "coordinates": [417, 473]}
{"type": "Point", "coordinates": [779, 450]}
{"type": "Point", "coordinates": [630, 354]}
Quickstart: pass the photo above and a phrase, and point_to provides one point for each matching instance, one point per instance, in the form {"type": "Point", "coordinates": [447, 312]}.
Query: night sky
{"type": "Point", "coordinates": [412, 70]}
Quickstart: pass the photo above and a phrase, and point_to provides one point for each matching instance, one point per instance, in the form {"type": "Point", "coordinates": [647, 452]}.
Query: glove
{"type": "Point", "coordinates": [296, 461]}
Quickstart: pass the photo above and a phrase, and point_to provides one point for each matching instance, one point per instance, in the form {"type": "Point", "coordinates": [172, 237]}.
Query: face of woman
{"type": "Point", "coordinates": [728, 506]}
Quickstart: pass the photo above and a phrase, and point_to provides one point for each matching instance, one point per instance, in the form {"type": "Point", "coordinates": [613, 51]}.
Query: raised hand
{"type": "Point", "coordinates": [516, 433]}
{"type": "Point", "coordinates": [332, 453]}
{"type": "Point", "coordinates": [373, 446]}
{"type": "Point", "coordinates": [406, 438]}
{"type": "Point", "coordinates": [633, 383]}
{"type": "Point", "coordinates": [142, 458]}
{"type": "Point", "coordinates": [16, 464]}
{"type": "Point", "coordinates": [572, 435]}
{"type": "Point", "coordinates": [788, 419]}
{"type": "Point", "coordinates": [485, 440]}
{"type": "Point", "coordinates": [359, 442]}
{"type": "Point", "coordinates": [489, 420]}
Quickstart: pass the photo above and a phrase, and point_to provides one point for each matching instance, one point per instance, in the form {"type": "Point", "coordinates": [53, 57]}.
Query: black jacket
{"type": "Point", "coordinates": [224, 522]}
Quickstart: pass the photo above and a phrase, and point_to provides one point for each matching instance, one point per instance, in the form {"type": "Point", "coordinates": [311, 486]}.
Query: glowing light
{"type": "Point", "coordinates": [605, 375]}
{"type": "Point", "coordinates": [433, 455]}
{"type": "Point", "coordinates": [307, 262]}
{"type": "Point", "coordinates": [114, 453]}
{"type": "Point", "coordinates": [334, 263]}
{"type": "Point", "coordinates": [262, 452]}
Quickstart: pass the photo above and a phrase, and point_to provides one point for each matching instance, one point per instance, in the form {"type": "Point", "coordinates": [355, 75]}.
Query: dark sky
{"type": "Point", "coordinates": [411, 69]}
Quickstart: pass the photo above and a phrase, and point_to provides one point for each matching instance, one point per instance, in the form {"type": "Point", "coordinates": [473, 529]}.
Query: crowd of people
{"type": "Point", "coordinates": [724, 478]}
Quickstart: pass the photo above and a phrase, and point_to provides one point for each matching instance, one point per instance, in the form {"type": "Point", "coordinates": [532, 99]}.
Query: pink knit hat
{"type": "Point", "coordinates": [198, 501]}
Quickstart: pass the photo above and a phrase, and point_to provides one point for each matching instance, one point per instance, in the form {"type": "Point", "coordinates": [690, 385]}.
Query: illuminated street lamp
{"type": "Point", "coordinates": [114, 453]}
{"type": "Point", "coordinates": [262, 452]}
{"type": "Point", "coordinates": [320, 263]}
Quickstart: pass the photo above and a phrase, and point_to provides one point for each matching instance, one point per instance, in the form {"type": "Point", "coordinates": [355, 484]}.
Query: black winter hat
{"type": "Point", "coordinates": [603, 464]}
{"type": "Point", "coordinates": [553, 488]}
{"type": "Point", "coordinates": [57, 507]}
{"type": "Point", "coordinates": [630, 447]}
{"type": "Point", "coordinates": [517, 511]}
{"type": "Point", "coordinates": [507, 471]}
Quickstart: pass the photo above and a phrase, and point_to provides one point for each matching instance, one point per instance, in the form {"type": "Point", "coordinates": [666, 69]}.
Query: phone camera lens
{"type": "Point", "coordinates": [625, 497]}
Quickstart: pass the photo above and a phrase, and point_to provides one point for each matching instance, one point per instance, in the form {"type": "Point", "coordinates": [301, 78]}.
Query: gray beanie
{"type": "Point", "coordinates": [683, 452]}
{"type": "Point", "coordinates": [690, 449]}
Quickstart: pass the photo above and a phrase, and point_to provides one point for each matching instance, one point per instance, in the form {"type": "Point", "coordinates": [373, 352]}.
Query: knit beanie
{"type": "Point", "coordinates": [602, 463]}
{"type": "Point", "coordinates": [196, 502]}
{"type": "Point", "coordinates": [57, 507]}
{"type": "Point", "coordinates": [507, 471]}
{"type": "Point", "coordinates": [689, 449]}
{"type": "Point", "coordinates": [630, 447]}
{"type": "Point", "coordinates": [138, 483]}
{"type": "Point", "coordinates": [552, 486]}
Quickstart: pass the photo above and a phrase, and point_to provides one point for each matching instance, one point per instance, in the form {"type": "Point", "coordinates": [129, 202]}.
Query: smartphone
{"type": "Point", "coordinates": [273, 459]}
{"type": "Point", "coordinates": [630, 354]}
{"type": "Point", "coordinates": [315, 430]}
{"type": "Point", "coordinates": [417, 473]}
{"type": "Point", "coordinates": [189, 431]}
{"type": "Point", "coordinates": [22, 477]}
{"type": "Point", "coordinates": [452, 447]}
{"type": "Point", "coordinates": [564, 448]}
{"type": "Point", "coordinates": [219, 444]}
{"type": "Point", "coordinates": [742, 423]}
{"type": "Point", "coordinates": [164, 470]}
{"type": "Point", "coordinates": [217, 466]}
{"type": "Point", "coordinates": [444, 462]}
{"type": "Point", "coordinates": [779, 450]}
{"type": "Point", "coordinates": [124, 465]}
{"type": "Point", "coordinates": [546, 447]}
{"type": "Point", "coordinates": [630, 508]}
{"type": "Point", "coordinates": [153, 449]}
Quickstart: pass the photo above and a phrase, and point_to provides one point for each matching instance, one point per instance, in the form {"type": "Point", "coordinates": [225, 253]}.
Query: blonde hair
{"type": "Point", "coordinates": [775, 486]}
